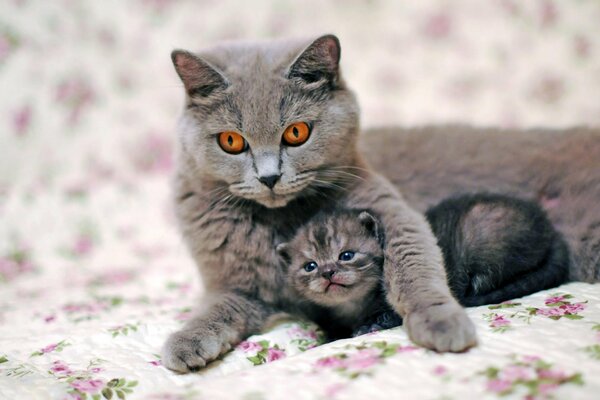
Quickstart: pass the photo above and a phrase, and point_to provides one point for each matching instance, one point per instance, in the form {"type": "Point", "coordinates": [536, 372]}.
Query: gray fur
{"type": "Point", "coordinates": [232, 223]}
{"type": "Point", "coordinates": [557, 168]}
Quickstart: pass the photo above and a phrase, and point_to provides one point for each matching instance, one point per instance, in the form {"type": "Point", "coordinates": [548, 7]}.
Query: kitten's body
{"type": "Point", "coordinates": [495, 248]}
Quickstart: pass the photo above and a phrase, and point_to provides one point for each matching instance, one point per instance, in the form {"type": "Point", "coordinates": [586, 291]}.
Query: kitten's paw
{"type": "Point", "coordinates": [190, 350]}
{"type": "Point", "coordinates": [363, 330]}
{"type": "Point", "coordinates": [442, 328]}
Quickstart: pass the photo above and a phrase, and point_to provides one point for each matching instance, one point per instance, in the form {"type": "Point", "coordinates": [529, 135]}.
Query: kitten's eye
{"type": "Point", "coordinates": [311, 266]}
{"type": "Point", "coordinates": [296, 134]}
{"type": "Point", "coordinates": [232, 142]}
{"type": "Point", "coordinates": [346, 256]}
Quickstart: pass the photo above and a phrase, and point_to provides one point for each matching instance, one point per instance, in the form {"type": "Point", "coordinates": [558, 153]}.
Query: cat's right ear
{"type": "Point", "coordinates": [319, 62]}
{"type": "Point", "coordinates": [199, 78]}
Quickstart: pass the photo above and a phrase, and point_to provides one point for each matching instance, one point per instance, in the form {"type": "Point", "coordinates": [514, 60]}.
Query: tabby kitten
{"type": "Point", "coordinates": [335, 267]}
{"type": "Point", "coordinates": [495, 248]}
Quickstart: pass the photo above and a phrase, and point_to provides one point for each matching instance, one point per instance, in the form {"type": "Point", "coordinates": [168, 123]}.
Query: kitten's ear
{"type": "Point", "coordinates": [199, 78]}
{"type": "Point", "coordinates": [318, 62]}
{"type": "Point", "coordinates": [371, 224]}
{"type": "Point", "coordinates": [282, 249]}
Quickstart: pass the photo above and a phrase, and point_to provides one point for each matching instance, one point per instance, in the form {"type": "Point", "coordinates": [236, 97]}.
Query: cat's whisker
{"type": "Point", "coordinates": [213, 193]}
{"type": "Point", "coordinates": [328, 184]}
{"type": "Point", "coordinates": [341, 174]}
{"type": "Point", "coordinates": [350, 167]}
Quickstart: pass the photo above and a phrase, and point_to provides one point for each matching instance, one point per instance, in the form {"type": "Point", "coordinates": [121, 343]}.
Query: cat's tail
{"type": "Point", "coordinates": [551, 273]}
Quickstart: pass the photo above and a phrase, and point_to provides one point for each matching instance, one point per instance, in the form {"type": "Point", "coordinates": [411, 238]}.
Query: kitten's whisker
{"type": "Point", "coordinates": [369, 265]}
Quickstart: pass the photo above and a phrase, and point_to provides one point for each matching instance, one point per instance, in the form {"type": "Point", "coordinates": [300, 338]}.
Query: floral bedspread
{"type": "Point", "coordinates": [93, 274]}
{"type": "Point", "coordinates": [103, 344]}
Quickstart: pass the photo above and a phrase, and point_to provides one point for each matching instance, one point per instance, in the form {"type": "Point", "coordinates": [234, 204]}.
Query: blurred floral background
{"type": "Point", "coordinates": [87, 114]}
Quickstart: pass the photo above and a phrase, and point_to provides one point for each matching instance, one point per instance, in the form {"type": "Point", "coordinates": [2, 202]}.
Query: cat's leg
{"type": "Point", "coordinates": [414, 276]}
{"type": "Point", "coordinates": [553, 272]}
{"type": "Point", "coordinates": [227, 320]}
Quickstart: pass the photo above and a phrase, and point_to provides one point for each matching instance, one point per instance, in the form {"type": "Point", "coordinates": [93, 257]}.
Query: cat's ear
{"type": "Point", "coordinates": [283, 251]}
{"type": "Point", "coordinates": [319, 62]}
{"type": "Point", "coordinates": [199, 78]}
{"type": "Point", "coordinates": [371, 224]}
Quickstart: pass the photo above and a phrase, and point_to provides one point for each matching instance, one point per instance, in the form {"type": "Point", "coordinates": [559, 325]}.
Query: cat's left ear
{"type": "Point", "coordinates": [319, 62]}
{"type": "Point", "coordinates": [371, 224]}
{"type": "Point", "coordinates": [198, 76]}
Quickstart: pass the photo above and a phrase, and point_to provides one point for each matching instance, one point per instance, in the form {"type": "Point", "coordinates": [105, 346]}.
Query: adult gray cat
{"type": "Point", "coordinates": [234, 208]}
{"type": "Point", "coordinates": [268, 139]}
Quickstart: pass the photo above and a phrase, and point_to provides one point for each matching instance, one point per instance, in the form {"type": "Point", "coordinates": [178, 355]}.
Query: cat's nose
{"type": "Point", "coordinates": [327, 274]}
{"type": "Point", "coordinates": [270, 180]}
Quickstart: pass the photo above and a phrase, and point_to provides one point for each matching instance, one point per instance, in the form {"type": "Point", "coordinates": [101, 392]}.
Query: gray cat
{"type": "Point", "coordinates": [495, 248]}
{"type": "Point", "coordinates": [268, 138]}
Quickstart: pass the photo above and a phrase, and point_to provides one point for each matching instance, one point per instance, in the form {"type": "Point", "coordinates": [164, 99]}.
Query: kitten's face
{"type": "Point", "coordinates": [270, 121]}
{"type": "Point", "coordinates": [335, 259]}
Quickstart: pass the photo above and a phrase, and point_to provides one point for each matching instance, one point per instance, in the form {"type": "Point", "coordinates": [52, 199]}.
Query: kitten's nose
{"type": "Point", "coordinates": [327, 274]}
{"type": "Point", "coordinates": [269, 181]}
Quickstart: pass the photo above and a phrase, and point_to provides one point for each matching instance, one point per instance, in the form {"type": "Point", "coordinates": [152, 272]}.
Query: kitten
{"type": "Point", "coordinates": [335, 266]}
{"type": "Point", "coordinates": [495, 248]}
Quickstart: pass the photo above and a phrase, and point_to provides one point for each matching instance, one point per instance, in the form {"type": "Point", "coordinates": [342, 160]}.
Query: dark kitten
{"type": "Point", "coordinates": [336, 267]}
{"type": "Point", "coordinates": [497, 248]}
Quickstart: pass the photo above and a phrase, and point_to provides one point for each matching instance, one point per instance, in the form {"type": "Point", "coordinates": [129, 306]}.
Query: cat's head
{"type": "Point", "coordinates": [271, 121]}
{"type": "Point", "coordinates": [336, 257]}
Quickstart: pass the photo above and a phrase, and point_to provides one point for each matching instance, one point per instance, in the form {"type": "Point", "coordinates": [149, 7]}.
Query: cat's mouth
{"type": "Point", "coordinates": [273, 200]}
{"type": "Point", "coordinates": [334, 287]}
{"type": "Point", "coordinates": [280, 195]}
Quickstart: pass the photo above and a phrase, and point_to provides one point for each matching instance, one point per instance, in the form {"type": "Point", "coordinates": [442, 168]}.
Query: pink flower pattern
{"type": "Point", "coordinates": [529, 375]}
{"type": "Point", "coordinates": [88, 386]}
{"type": "Point", "coordinates": [361, 362]}
{"type": "Point", "coordinates": [87, 135]}
{"type": "Point", "coordinates": [248, 346]}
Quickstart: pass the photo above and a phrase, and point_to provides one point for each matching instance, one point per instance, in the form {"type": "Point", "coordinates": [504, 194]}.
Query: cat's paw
{"type": "Point", "coordinates": [190, 350]}
{"type": "Point", "coordinates": [445, 327]}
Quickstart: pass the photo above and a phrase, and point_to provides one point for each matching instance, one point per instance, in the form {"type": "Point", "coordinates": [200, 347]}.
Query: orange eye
{"type": "Point", "coordinates": [296, 134]}
{"type": "Point", "coordinates": [232, 142]}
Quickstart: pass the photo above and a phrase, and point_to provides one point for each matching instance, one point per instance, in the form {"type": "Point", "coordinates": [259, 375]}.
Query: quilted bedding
{"type": "Point", "coordinates": [93, 275]}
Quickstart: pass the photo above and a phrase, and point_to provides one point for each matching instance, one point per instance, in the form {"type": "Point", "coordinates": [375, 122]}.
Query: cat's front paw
{"type": "Point", "coordinates": [445, 327]}
{"type": "Point", "coordinates": [190, 350]}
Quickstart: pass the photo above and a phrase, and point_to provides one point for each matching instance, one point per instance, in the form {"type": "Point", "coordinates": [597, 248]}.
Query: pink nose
{"type": "Point", "coordinates": [327, 274]}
